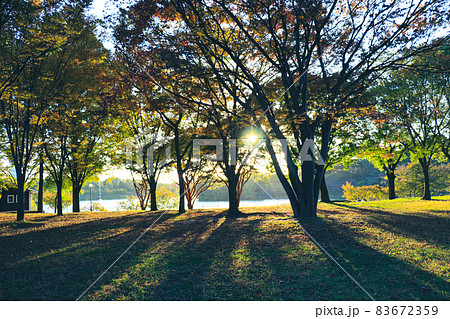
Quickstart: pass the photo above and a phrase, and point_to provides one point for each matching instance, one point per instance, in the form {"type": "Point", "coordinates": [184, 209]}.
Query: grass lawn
{"type": "Point", "coordinates": [397, 250]}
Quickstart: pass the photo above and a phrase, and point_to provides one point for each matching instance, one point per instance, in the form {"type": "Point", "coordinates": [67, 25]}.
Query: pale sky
{"type": "Point", "coordinates": [97, 8]}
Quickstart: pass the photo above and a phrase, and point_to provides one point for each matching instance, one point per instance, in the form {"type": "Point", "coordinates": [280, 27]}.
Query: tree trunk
{"type": "Point", "coordinates": [321, 168]}
{"type": "Point", "coordinates": [59, 208]}
{"type": "Point", "coordinates": [293, 200]}
{"type": "Point", "coordinates": [324, 195]}
{"type": "Point", "coordinates": [188, 195]}
{"type": "Point", "coordinates": [40, 203]}
{"type": "Point", "coordinates": [153, 184]}
{"type": "Point", "coordinates": [76, 197]}
{"type": "Point", "coordinates": [142, 202]}
{"type": "Point", "coordinates": [308, 176]}
{"type": "Point", "coordinates": [391, 184]}
{"type": "Point", "coordinates": [181, 204]}
{"type": "Point", "coordinates": [20, 193]}
{"type": "Point", "coordinates": [426, 175]}
{"type": "Point", "coordinates": [233, 204]}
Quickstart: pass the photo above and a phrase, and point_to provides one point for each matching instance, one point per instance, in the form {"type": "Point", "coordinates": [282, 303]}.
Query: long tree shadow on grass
{"type": "Point", "coordinates": [59, 263]}
{"type": "Point", "coordinates": [176, 271]}
{"type": "Point", "coordinates": [206, 257]}
{"type": "Point", "coordinates": [422, 226]}
{"type": "Point", "coordinates": [385, 277]}
{"type": "Point", "coordinates": [266, 258]}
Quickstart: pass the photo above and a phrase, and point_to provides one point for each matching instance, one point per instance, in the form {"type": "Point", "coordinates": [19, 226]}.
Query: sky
{"type": "Point", "coordinates": [97, 8]}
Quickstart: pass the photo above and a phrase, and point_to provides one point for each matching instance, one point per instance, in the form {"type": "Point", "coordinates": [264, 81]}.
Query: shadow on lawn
{"type": "Point", "coordinates": [222, 266]}
{"type": "Point", "coordinates": [59, 263]}
{"type": "Point", "coordinates": [238, 262]}
{"type": "Point", "coordinates": [205, 257]}
{"type": "Point", "coordinates": [420, 226]}
{"type": "Point", "coordinates": [383, 276]}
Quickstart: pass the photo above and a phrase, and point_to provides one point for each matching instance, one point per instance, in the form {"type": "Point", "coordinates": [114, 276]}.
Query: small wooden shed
{"type": "Point", "coordinates": [8, 201]}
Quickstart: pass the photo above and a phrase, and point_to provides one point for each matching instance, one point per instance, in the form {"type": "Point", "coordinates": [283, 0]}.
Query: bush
{"type": "Point", "coordinates": [129, 204]}
{"type": "Point", "coordinates": [96, 207]}
{"type": "Point", "coordinates": [364, 193]}
{"type": "Point", "coordinates": [166, 198]}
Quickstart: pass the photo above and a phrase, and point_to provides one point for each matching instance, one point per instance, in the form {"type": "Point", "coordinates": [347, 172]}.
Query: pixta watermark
{"type": "Point", "coordinates": [141, 152]}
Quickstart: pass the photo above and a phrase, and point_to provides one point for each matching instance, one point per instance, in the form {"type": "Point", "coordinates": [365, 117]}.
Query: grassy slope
{"type": "Point", "coordinates": [397, 250]}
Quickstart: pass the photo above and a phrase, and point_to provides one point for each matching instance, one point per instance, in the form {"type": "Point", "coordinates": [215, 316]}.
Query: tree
{"type": "Point", "coordinates": [411, 179]}
{"type": "Point", "coordinates": [29, 31]}
{"type": "Point", "coordinates": [30, 36]}
{"type": "Point", "coordinates": [142, 190]}
{"type": "Point", "coordinates": [345, 140]}
{"type": "Point", "coordinates": [40, 202]}
{"type": "Point", "coordinates": [417, 96]}
{"type": "Point", "coordinates": [385, 146]}
{"type": "Point", "coordinates": [87, 153]}
{"type": "Point", "coordinates": [22, 115]}
{"type": "Point", "coordinates": [153, 70]}
{"type": "Point", "coordinates": [197, 180]}
{"type": "Point", "coordinates": [74, 122]}
{"type": "Point", "coordinates": [248, 44]}
{"type": "Point", "coordinates": [440, 65]}
{"type": "Point", "coordinates": [55, 136]}
{"type": "Point", "coordinates": [252, 42]}
{"type": "Point", "coordinates": [446, 148]}
{"type": "Point", "coordinates": [51, 199]}
{"type": "Point", "coordinates": [144, 144]}
{"type": "Point", "coordinates": [89, 142]}
{"type": "Point", "coordinates": [238, 141]}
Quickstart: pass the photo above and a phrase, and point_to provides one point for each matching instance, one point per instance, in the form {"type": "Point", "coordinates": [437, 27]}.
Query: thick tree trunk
{"type": "Point", "coordinates": [293, 200]}
{"type": "Point", "coordinates": [20, 197]}
{"type": "Point", "coordinates": [324, 195]}
{"type": "Point", "coordinates": [321, 168]}
{"type": "Point", "coordinates": [59, 208]}
{"type": "Point", "coordinates": [308, 174]}
{"type": "Point", "coordinates": [391, 184]}
{"type": "Point", "coordinates": [153, 184]}
{"type": "Point", "coordinates": [303, 194]}
{"type": "Point", "coordinates": [76, 197]}
{"type": "Point", "coordinates": [233, 204]}
{"type": "Point", "coordinates": [425, 164]}
{"type": "Point", "coordinates": [40, 202]}
{"type": "Point", "coordinates": [181, 204]}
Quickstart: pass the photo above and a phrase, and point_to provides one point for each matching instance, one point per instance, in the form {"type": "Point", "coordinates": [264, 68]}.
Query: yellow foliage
{"type": "Point", "coordinates": [364, 193]}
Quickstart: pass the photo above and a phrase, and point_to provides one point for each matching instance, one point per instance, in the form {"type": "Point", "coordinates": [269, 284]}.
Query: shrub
{"type": "Point", "coordinates": [166, 198]}
{"type": "Point", "coordinates": [364, 193]}
{"type": "Point", "coordinates": [129, 204]}
{"type": "Point", "coordinates": [96, 207]}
